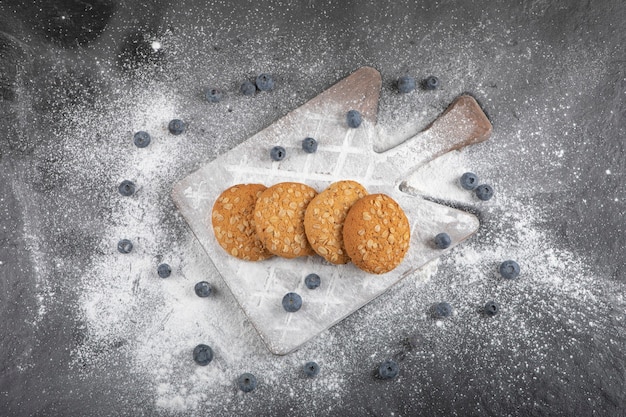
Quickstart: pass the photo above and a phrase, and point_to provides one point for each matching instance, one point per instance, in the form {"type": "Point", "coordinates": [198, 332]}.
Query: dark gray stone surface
{"type": "Point", "coordinates": [550, 75]}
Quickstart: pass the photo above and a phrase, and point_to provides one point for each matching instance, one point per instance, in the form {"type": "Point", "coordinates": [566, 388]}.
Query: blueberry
{"type": "Point", "coordinates": [203, 354]}
{"type": "Point", "coordinates": [246, 382]}
{"type": "Point", "coordinates": [442, 310]}
{"type": "Point", "coordinates": [264, 82]}
{"type": "Point", "coordinates": [213, 95]}
{"type": "Point", "coordinates": [469, 181]}
{"type": "Point", "coordinates": [176, 127]}
{"type": "Point", "coordinates": [126, 188]}
{"type": "Point", "coordinates": [278, 153]}
{"type": "Point", "coordinates": [125, 246]}
{"type": "Point", "coordinates": [203, 289]}
{"type": "Point", "coordinates": [292, 302]}
{"type": "Point", "coordinates": [354, 119]}
{"type": "Point", "coordinates": [406, 84]}
{"type": "Point", "coordinates": [431, 83]}
{"type": "Point", "coordinates": [312, 281]}
{"type": "Point", "coordinates": [491, 308]}
{"type": "Point", "coordinates": [442, 240]}
{"type": "Point", "coordinates": [311, 369]}
{"type": "Point", "coordinates": [484, 192]}
{"type": "Point", "coordinates": [509, 269]}
{"type": "Point", "coordinates": [388, 369]}
{"type": "Point", "coordinates": [247, 89]}
{"type": "Point", "coordinates": [164, 270]}
{"type": "Point", "coordinates": [309, 145]}
{"type": "Point", "coordinates": [141, 139]}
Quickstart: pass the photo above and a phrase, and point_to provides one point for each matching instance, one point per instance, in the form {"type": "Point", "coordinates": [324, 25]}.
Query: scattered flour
{"type": "Point", "coordinates": [155, 323]}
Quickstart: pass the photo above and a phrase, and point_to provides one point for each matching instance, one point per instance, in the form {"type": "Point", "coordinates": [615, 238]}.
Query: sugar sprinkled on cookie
{"type": "Point", "coordinates": [233, 222]}
{"type": "Point", "coordinates": [376, 233]}
{"type": "Point", "coordinates": [279, 217]}
{"type": "Point", "coordinates": [324, 218]}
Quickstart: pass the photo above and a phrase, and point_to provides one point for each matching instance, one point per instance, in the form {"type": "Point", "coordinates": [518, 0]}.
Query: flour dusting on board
{"type": "Point", "coordinates": [258, 286]}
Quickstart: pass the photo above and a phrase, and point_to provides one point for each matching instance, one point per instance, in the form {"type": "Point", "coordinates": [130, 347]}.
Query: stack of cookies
{"type": "Point", "coordinates": [343, 223]}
